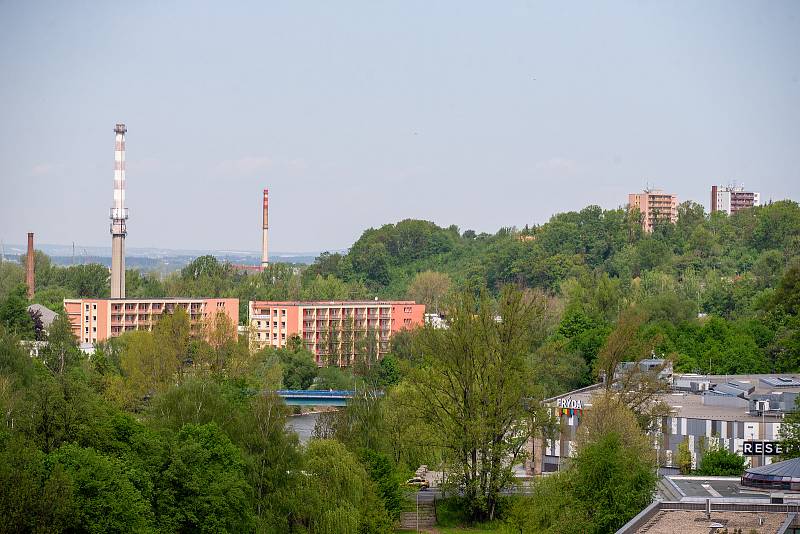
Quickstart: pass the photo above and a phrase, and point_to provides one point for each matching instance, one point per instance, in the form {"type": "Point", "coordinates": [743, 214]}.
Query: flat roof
{"type": "Point", "coordinates": [698, 488]}
{"type": "Point", "coordinates": [696, 522]}
{"type": "Point", "coordinates": [331, 302]}
{"type": "Point", "coordinates": [687, 404]}
{"type": "Point", "coordinates": [152, 299]}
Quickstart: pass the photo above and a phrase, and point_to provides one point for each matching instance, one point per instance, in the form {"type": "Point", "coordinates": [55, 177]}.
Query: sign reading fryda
{"type": "Point", "coordinates": [762, 448]}
{"type": "Point", "coordinates": [569, 402]}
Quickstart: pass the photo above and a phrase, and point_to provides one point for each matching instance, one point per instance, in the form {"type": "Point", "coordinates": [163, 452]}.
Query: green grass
{"type": "Point", "coordinates": [451, 520]}
{"type": "Point", "coordinates": [493, 527]}
{"type": "Point", "coordinates": [487, 528]}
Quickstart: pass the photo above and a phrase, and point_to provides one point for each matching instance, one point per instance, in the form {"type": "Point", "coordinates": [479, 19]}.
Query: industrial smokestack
{"type": "Point", "coordinates": [30, 260]}
{"type": "Point", "coordinates": [265, 233]}
{"type": "Point", "coordinates": [119, 216]}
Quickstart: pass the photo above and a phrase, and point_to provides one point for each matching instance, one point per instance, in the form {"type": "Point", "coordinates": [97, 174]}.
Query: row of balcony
{"type": "Point", "coordinates": [157, 306]}
{"type": "Point", "coordinates": [323, 352]}
{"type": "Point", "coordinates": [344, 313]}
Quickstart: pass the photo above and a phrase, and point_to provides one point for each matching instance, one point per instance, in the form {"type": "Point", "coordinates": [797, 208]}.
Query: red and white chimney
{"type": "Point", "coordinates": [30, 263]}
{"type": "Point", "coordinates": [119, 216]}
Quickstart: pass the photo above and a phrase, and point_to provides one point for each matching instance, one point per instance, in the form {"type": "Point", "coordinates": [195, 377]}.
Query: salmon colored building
{"type": "Point", "coordinates": [95, 320]}
{"type": "Point", "coordinates": [332, 327]}
{"type": "Point", "coordinates": [654, 205]}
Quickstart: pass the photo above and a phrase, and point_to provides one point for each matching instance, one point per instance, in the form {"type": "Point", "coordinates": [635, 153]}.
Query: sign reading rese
{"type": "Point", "coordinates": [762, 448]}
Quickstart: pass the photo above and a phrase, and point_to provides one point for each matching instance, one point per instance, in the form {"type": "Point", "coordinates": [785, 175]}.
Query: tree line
{"type": "Point", "coordinates": [182, 429]}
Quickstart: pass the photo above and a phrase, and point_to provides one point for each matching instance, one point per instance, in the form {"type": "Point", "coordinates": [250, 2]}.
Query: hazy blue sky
{"type": "Point", "coordinates": [356, 114]}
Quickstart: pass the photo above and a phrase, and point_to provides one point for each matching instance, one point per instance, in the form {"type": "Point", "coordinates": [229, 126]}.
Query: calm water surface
{"type": "Point", "coordinates": [303, 425]}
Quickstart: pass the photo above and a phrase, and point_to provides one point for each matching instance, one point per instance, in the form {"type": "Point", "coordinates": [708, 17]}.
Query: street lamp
{"type": "Point", "coordinates": [763, 436]}
{"type": "Point", "coordinates": [417, 510]}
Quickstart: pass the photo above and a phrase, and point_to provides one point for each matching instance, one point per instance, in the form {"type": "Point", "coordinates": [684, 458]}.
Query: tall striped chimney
{"type": "Point", "coordinates": [30, 263]}
{"type": "Point", "coordinates": [119, 216]}
{"type": "Point", "coordinates": [265, 232]}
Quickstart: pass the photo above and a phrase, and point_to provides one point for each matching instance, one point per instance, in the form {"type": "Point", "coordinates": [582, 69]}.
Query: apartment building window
{"type": "Point", "coordinates": [94, 329]}
{"type": "Point", "coordinates": [407, 309]}
{"type": "Point", "coordinates": [275, 335]}
{"type": "Point", "coordinates": [87, 307]}
{"type": "Point", "coordinates": [94, 318]}
{"type": "Point", "coordinates": [283, 313]}
{"type": "Point", "coordinates": [94, 306]}
{"type": "Point", "coordinates": [275, 324]}
{"type": "Point", "coordinates": [283, 324]}
{"type": "Point", "coordinates": [406, 321]}
{"type": "Point", "coordinates": [87, 318]}
{"type": "Point", "coordinates": [283, 336]}
{"type": "Point", "coordinates": [258, 324]}
{"type": "Point", "coordinates": [87, 330]}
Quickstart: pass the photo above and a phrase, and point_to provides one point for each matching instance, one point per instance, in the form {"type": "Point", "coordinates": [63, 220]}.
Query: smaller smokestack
{"type": "Point", "coordinates": [265, 232]}
{"type": "Point", "coordinates": [30, 266]}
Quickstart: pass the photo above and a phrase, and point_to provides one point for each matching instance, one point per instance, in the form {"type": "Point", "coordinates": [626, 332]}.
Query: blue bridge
{"type": "Point", "coordinates": [310, 397]}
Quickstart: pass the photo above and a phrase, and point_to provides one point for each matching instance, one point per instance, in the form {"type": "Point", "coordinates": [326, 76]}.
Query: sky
{"type": "Point", "coordinates": [362, 113]}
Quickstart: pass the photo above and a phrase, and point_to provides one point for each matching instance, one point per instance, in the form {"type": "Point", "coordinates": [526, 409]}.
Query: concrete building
{"type": "Point", "coordinates": [655, 206]}
{"type": "Point", "coordinates": [332, 328]}
{"type": "Point", "coordinates": [737, 412]}
{"type": "Point", "coordinates": [664, 517]}
{"type": "Point", "coordinates": [95, 320]}
{"type": "Point", "coordinates": [731, 199]}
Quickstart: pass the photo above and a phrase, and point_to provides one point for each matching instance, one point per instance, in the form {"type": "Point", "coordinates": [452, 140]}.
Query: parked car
{"type": "Point", "coordinates": [418, 482]}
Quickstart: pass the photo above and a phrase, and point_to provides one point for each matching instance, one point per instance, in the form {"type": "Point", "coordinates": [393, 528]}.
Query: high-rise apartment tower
{"type": "Point", "coordinates": [119, 216]}
{"type": "Point", "coordinates": [731, 199]}
{"type": "Point", "coordinates": [655, 207]}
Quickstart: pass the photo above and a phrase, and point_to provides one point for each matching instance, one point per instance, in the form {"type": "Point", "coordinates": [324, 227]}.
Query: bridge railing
{"type": "Point", "coordinates": [337, 393]}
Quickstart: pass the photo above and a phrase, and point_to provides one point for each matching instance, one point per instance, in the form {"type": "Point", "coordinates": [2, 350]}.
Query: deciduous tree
{"type": "Point", "coordinates": [474, 390]}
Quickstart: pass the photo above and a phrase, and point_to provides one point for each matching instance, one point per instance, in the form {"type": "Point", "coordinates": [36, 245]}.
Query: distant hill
{"type": "Point", "coordinates": [157, 259]}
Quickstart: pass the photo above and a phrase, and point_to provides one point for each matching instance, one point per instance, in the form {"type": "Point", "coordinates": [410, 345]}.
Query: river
{"type": "Point", "coordinates": [303, 425]}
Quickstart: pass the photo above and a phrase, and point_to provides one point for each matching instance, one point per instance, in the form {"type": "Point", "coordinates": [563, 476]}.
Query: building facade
{"type": "Point", "coordinates": [707, 411]}
{"type": "Point", "coordinates": [655, 206]}
{"type": "Point", "coordinates": [335, 331]}
{"type": "Point", "coordinates": [95, 320]}
{"type": "Point", "coordinates": [732, 199]}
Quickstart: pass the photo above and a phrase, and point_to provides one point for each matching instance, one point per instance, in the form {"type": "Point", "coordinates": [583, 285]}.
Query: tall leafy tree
{"type": "Point", "coordinates": [474, 389]}
{"type": "Point", "coordinates": [61, 350]}
{"type": "Point", "coordinates": [203, 487]}
{"type": "Point", "coordinates": [429, 288]}
{"type": "Point", "coordinates": [14, 314]}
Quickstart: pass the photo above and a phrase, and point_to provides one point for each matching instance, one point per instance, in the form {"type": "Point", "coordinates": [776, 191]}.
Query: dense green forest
{"type": "Point", "coordinates": [166, 431]}
{"type": "Point", "coordinates": [710, 283]}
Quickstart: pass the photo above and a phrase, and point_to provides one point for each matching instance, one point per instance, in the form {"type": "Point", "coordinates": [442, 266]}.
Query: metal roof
{"type": "Point", "coordinates": [787, 468]}
{"type": "Point", "coordinates": [781, 381]}
{"type": "Point", "coordinates": [47, 315]}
